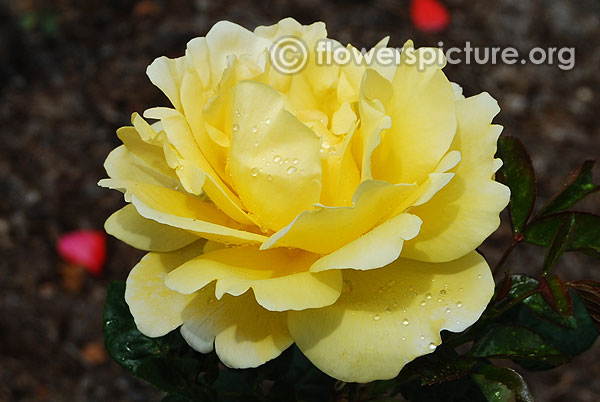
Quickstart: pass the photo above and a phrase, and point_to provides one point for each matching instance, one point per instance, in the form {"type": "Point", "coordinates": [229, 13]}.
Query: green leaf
{"type": "Point", "coordinates": [517, 343]}
{"type": "Point", "coordinates": [578, 186]}
{"type": "Point", "coordinates": [441, 366]}
{"type": "Point", "coordinates": [560, 242]}
{"type": "Point", "coordinates": [571, 336]}
{"type": "Point", "coordinates": [301, 382]}
{"type": "Point", "coordinates": [589, 291]}
{"type": "Point", "coordinates": [555, 293]}
{"type": "Point", "coordinates": [461, 390]}
{"type": "Point", "coordinates": [166, 362]}
{"type": "Point", "coordinates": [518, 174]}
{"type": "Point", "coordinates": [586, 236]}
{"type": "Point", "coordinates": [501, 384]}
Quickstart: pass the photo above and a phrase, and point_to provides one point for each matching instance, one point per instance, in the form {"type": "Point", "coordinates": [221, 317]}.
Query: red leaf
{"type": "Point", "coordinates": [84, 247]}
{"type": "Point", "coordinates": [429, 15]}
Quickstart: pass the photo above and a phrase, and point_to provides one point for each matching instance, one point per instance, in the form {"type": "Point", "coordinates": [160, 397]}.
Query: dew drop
{"type": "Point", "coordinates": [403, 338]}
{"type": "Point", "coordinates": [376, 317]}
{"type": "Point", "coordinates": [325, 145]}
{"type": "Point", "coordinates": [237, 113]}
{"type": "Point", "coordinates": [439, 300]}
{"type": "Point", "coordinates": [256, 143]}
{"type": "Point", "coordinates": [460, 289]}
{"type": "Point", "coordinates": [443, 292]}
{"type": "Point", "coordinates": [405, 321]}
{"type": "Point", "coordinates": [276, 158]}
{"type": "Point", "coordinates": [254, 172]}
{"type": "Point", "coordinates": [254, 130]}
{"type": "Point", "coordinates": [422, 337]}
{"type": "Point", "coordinates": [459, 304]}
{"type": "Point", "coordinates": [479, 276]}
{"type": "Point", "coordinates": [432, 346]}
{"type": "Point", "coordinates": [291, 170]}
{"type": "Point", "coordinates": [295, 161]}
{"type": "Point", "coordinates": [236, 127]}
{"type": "Point", "coordinates": [268, 121]}
{"type": "Point", "coordinates": [286, 160]}
{"type": "Point", "coordinates": [448, 310]}
{"type": "Point", "coordinates": [428, 296]}
{"type": "Point", "coordinates": [423, 303]}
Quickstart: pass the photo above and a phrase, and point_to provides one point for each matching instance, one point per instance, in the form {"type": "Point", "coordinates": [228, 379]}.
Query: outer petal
{"type": "Point", "coordinates": [156, 309]}
{"type": "Point", "coordinates": [319, 231]}
{"type": "Point", "coordinates": [387, 317]}
{"type": "Point", "coordinates": [130, 227]}
{"type": "Point", "coordinates": [275, 160]}
{"type": "Point", "coordinates": [244, 334]}
{"type": "Point", "coordinates": [465, 212]}
{"type": "Point", "coordinates": [279, 278]}
{"type": "Point", "coordinates": [374, 249]}
{"type": "Point", "coordinates": [189, 213]}
{"type": "Point", "coordinates": [226, 38]}
{"type": "Point", "coordinates": [423, 121]}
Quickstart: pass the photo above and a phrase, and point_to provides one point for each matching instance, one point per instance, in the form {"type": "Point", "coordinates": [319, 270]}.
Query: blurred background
{"type": "Point", "coordinates": [72, 72]}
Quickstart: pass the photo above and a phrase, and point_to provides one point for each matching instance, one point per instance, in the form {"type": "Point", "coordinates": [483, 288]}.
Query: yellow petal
{"type": "Point", "coordinates": [375, 93]}
{"type": "Point", "coordinates": [123, 167]}
{"type": "Point", "coordinates": [389, 316]}
{"type": "Point", "coordinates": [167, 74]}
{"type": "Point", "coordinates": [151, 154]}
{"type": "Point", "coordinates": [466, 211]}
{"type": "Point", "coordinates": [244, 334]}
{"type": "Point", "coordinates": [423, 116]}
{"type": "Point", "coordinates": [130, 227]}
{"type": "Point", "coordinates": [319, 231]}
{"type": "Point", "coordinates": [279, 278]}
{"type": "Point", "coordinates": [374, 249]}
{"type": "Point", "coordinates": [195, 169]}
{"type": "Point", "coordinates": [187, 212]}
{"type": "Point", "coordinates": [274, 158]}
{"type": "Point", "coordinates": [225, 39]}
{"type": "Point", "coordinates": [156, 309]}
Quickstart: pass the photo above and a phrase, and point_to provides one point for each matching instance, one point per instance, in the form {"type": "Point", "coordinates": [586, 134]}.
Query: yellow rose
{"type": "Point", "coordinates": [341, 205]}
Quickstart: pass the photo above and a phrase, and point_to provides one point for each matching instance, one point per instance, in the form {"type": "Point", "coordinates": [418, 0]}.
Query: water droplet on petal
{"type": "Point", "coordinates": [295, 161]}
{"type": "Point", "coordinates": [268, 121]}
{"type": "Point", "coordinates": [432, 346]}
{"type": "Point", "coordinates": [291, 170]}
{"type": "Point", "coordinates": [460, 289]}
{"type": "Point", "coordinates": [448, 310]}
{"type": "Point", "coordinates": [405, 321]}
{"type": "Point", "coordinates": [428, 296]}
{"type": "Point", "coordinates": [237, 113]}
{"type": "Point", "coordinates": [376, 317]}
{"type": "Point", "coordinates": [422, 337]}
{"type": "Point", "coordinates": [423, 303]}
{"type": "Point", "coordinates": [276, 158]}
{"type": "Point", "coordinates": [403, 338]}
{"type": "Point", "coordinates": [459, 304]}
{"type": "Point", "coordinates": [236, 127]}
{"type": "Point", "coordinates": [479, 276]}
{"type": "Point", "coordinates": [254, 130]}
{"type": "Point", "coordinates": [439, 299]}
{"type": "Point", "coordinates": [254, 172]}
{"type": "Point", "coordinates": [443, 292]}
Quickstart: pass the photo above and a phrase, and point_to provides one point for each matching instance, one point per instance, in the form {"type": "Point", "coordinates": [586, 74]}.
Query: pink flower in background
{"type": "Point", "coordinates": [429, 15]}
{"type": "Point", "coordinates": [84, 247]}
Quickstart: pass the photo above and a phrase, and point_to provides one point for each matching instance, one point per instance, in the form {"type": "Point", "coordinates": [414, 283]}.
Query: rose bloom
{"type": "Point", "coordinates": [337, 208]}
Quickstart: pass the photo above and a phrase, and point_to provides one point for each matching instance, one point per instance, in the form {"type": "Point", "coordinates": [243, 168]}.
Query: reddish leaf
{"type": "Point", "coordinates": [557, 296]}
{"type": "Point", "coordinates": [589, 291]}
{"type": "Point", "coordinates": [503, 288]}
{"type": "Point", "coordinates": [429, 15]}
{"type": "Point", "coordinates": [84, 247]}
